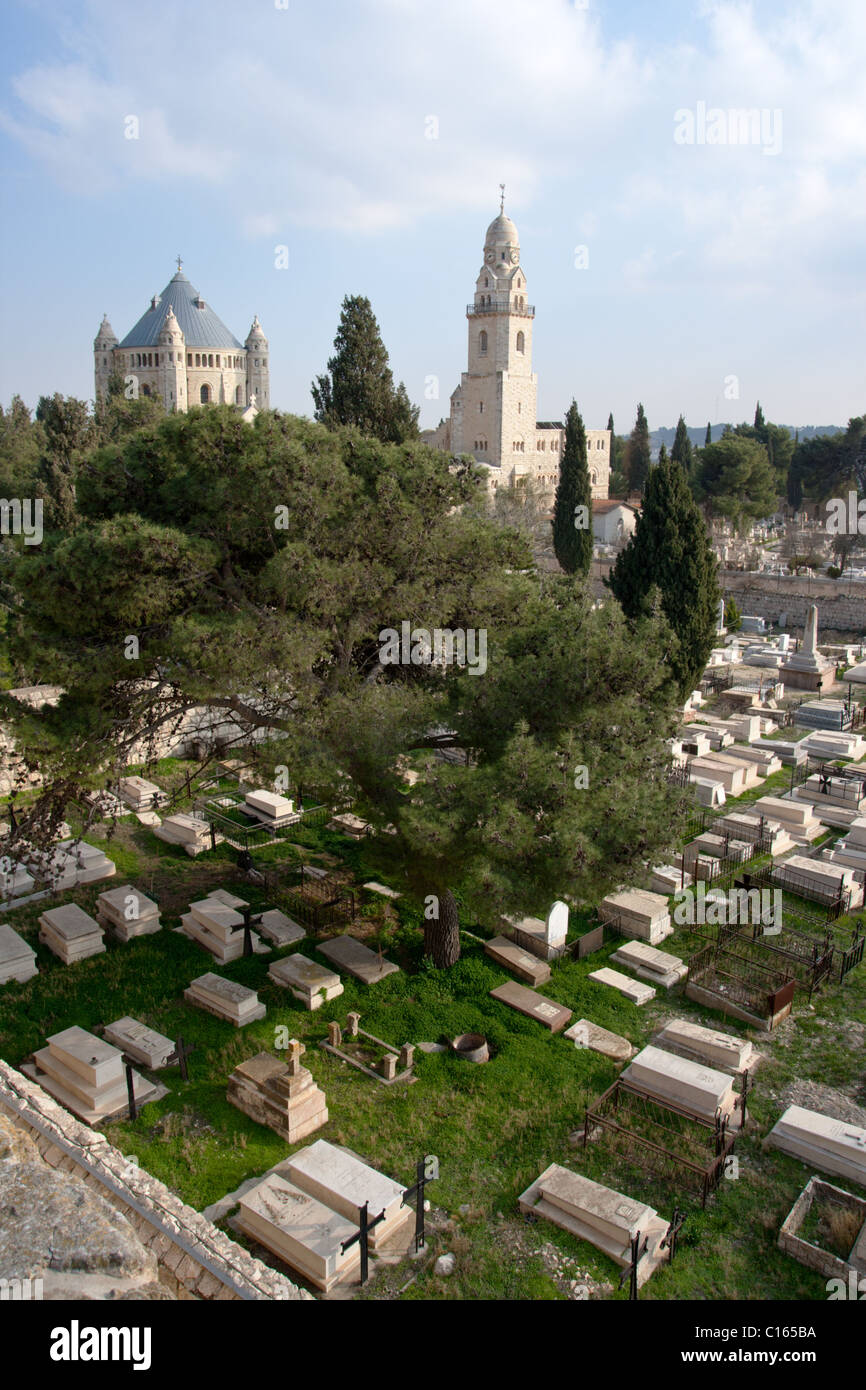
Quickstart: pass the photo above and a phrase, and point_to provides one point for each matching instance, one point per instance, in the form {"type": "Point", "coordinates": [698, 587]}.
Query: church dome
{"type": "Point", "coordinates": [502, 232]}
{"type": "Point", "coordinates": [200, 326]}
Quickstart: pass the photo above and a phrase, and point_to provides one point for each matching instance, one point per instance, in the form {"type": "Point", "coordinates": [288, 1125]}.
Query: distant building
{"type": "Point", "coordinates": [493, 409]}
{"type": "Point", "coordinates": [612, 521]}
{"type": "Point", "coordinates": [182, 351]}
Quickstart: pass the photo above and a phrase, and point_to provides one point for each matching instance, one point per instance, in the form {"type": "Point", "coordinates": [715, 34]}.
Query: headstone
{"type": "Point", "coordinates": [357, 959]}
{"type": "Point", "coordinates": [281, 1095]}
{"type": "Point", "coordinates": [353, 1020]}
{"type": "Point", "coordinates": [389, 1066]}
{"type": "Point", "coordinates": [350, 825]}
{"type": "Point", "coordinates": [70, 933]}
{"type": "Point", "coordinates": [589, 1035]}
{"type": "Point", "coordinates": [406, 1059]}
{"type": "Point", "coordinates": [270, 809]}
{"type": "Point", "coordinates": [140, 794]}
{"type": "Point", "coordinates": [308, 981]}
{"type": "Point", "coordinates": [127, 912]}
{"type": "Point", "coordinates": [632, 989]}
{"type": "Point", "coordinates": [280, 929]}
{"type": "Point", "coordinates": [301, 1231]}
{"type": "Point", "coordinates": [335, 1035]}
{"type": "Point", "coordinates": [190, 832]}
{"type": "Point", "coordinates": [216, 924]}
{"type": "Point", "coordinates": [525, 966]}
{"type": "Point", "coordinates": [225, 998]}
{"type": "Point", "coordinates": [17, 959]}
{"type": "Point", "coordinates": [638, 914]}
{"type": "Point", "coordinates": [147, 1047]}
{"type": "Point", "coordinates": [701, 1090]}
{"type": "Point", "coordinates": [533, 1005]}
{"type": "Point", "coordinates": [605, 1218]}
{"type": "Point", "coordinates": [831, 1145]}
{"type": "Point", "coordinates": [382, 890]}
{"type": "Point", "coordinates": [343, 1182]}
{"type": "Point", "coordinates": [557, 925]}
{"type": "Point", "coordinates": [87, 1076]}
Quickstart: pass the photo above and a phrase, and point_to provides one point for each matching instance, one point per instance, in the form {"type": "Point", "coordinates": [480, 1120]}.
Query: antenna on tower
{"type": "Point", "coordinates": [502, 198]}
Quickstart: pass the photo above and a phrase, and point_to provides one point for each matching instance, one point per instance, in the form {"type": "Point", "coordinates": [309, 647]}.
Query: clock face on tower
{"type": "Point", "coordinates": [490, 256]}
{"type": "Point", "coordinates": [514, 258]}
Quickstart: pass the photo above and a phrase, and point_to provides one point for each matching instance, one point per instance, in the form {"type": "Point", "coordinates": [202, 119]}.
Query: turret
{"type": "Point", "coordinates": [103, 356]}
{"type": "Point", "coordinates": [172, 363]}
{"type": "Point", "coordinates": [258, 375]}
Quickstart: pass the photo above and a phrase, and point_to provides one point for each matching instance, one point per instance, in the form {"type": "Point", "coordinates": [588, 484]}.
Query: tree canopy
{"type": "Point", "coordinates": [358, 387]}
{"type": "Point", "coordinates": [572, 512]}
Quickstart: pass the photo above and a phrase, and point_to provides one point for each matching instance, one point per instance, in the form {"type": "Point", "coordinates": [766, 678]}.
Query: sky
{"type": "Point", "coordinates": [295, 151]}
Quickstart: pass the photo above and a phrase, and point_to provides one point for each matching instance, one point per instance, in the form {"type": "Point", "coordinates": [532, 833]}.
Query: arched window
{"type": "Point", "coordinates": [189, 359]}
{"type": "Point", "coordinates": [204, 395]}
{"type": "Point", "coordinates": [593, 477]}
{"type": "Point", "coordinates": [145, 390]}
{"type": "Point", "coordinates": [239, 395]}
{"type": "Point", "coordinates": [486, 283]}
{"type": "Point", "coordinates": [521, 342]}
{"type": "Point", "coordinates": [210, 359]}
{"type": "Point", "coordinates": [482, 341]}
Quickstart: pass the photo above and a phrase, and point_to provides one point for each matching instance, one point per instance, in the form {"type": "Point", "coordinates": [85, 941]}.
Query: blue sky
{"type": "Point", "coordinates": [717, 273]}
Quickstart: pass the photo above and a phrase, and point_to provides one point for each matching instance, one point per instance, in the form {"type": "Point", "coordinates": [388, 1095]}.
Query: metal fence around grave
{"type": "Point", "coordinates": [662, 1138]}
{"type": "Point", "coordinates": [790, 952]}
{"type": "Point", "coordinates": [321, 902]}
{"type": "Point", "coordinates": [835, 902]}
{"type": "Point", "coordinates": [733, 977]}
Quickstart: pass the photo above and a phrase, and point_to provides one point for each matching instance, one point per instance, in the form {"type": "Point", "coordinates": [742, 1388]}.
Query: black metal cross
{"type": "Point", "coordinates": [365, 1226]}
{"type": "Point", "coordinates": [747, 1085]}
{"type": "Point", "coordinates": [179, 1056]}
{"type": "Point", "coordinates": [639, 1246]}
{"type": "Point", "coordinates": [671, 1236]}
{"type": "Point", "coordinates": [249, 922]}
{"type": "Point", "coordinates": [416, 1191]}
{"type": "Point", "coordinates": [130, 1086]}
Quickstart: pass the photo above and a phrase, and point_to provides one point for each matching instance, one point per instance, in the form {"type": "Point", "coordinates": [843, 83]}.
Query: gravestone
{"type": "Point", "coordinates": [357, 959]}
{"type": "Point", "coordinates": [692, 1086]}
{"type": "Point", "coordinates": [87, 1076]}
{"type": "Point", "coordinates": [526, 1001]}
{"type": "Point", "coordinates": [589, 1035]}
{"type": "Point", "coordinates": [638, 914]}
{"type": "Point", "coordinates": [270, 809]}
{"type": "Point", "coordinates": [280, 929]}
{"type": "Point", "coordinates": [543, 939]}
{"type": "Point", "coordinates": [646, 961]}
{"type": "Point", "coordinates": [831, 1145]}
{"type": "Point", "coordinates": [308, 981]}
{"type": "Point", "coordinates": [721, 1050]}
{"type": "Point", "coordinates": [191, 833]}
{"type": "Point", "coordinates": [281, 1095]}
{"type": "Point", "coordinates": [345, 1183]}
{"type": "Point", "coordinates": [17, 959]}
{"type": "Point", "coordinates": [525, 966]}
{"type": "Point", "coordinates": [127, 913]}
{"type": "Point", "coordinates": [70, 933]}
{"type": "Point", "coordinates": [147, 1047]}
{"type": "Point", "coordinates": [216, 923]}
{"type": "Point", "coordinates": [300, 1230]}
{"type": "Point", "coordinates": [632, 989]}
{"type": "Point", "coordinates": [226, 999]}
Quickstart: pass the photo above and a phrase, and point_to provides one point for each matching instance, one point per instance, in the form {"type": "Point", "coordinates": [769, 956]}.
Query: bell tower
{"type": "Point", "coordinates": [498, 392]}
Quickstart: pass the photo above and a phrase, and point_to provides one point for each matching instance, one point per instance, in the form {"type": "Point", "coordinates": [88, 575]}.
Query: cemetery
{"type": "Point", "coordinates": [653, 1031]}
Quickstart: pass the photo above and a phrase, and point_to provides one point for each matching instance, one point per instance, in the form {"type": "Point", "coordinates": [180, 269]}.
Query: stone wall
{"type": "Point", "coordinates": [822, 1261]}
{"type": "Point", "coordinates": [841, 604]}
{"type": "Point", "coordinates": [203, 1260]}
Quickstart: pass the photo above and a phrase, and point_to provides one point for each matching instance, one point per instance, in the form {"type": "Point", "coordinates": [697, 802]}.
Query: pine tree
{"type": "Point", "coordinates": [760, 424]}
{"type": "Point", "coordinates": [681, 451]}
{"type": "Point", "coordinates": [637, 453]}
{"type": "Point", "coordinates": [358, 387]}
{"type": "Point", "coordinates": [669, 552]}
{"type": "Point", "coordinates": [572, 514]}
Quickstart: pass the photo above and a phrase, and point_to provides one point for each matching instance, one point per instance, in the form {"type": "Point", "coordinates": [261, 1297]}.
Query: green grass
{"type": "Point", "coordinates": [493, 1127]}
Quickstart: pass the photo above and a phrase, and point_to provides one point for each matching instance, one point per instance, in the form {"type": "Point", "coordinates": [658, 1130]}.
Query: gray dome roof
{"type": "Point", "coordinates": [502, 232]}
{"type": "Point", "coordinates": [200, 327]}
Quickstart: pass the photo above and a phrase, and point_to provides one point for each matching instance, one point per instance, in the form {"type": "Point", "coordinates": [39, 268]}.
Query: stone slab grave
{"type": "Point", "coordinates": [723, 1051]}
{"type": "Point", "coordinates": [526, 1001]}
{"type": "Point", "coordinates": [349, 825]}
{"type": "Point", "coordinates": [147, 1047]}
{"type": "Point", "coordinates": [312, 984]}
{"type": "Point", "coordinates": [605, 1218]}
{"type": "Point", "coordinates": [718, 847]}
{"type": "Point", "coordinates": [381, 889]}
{"type": "Point", "coordinates": [87, 1076]}
{"type": "Point", "coordinates": [216, 924]}
{"type": "Point", "coordinates": [392, 1057]}
{"type": "Point", "coordinates": [140, 794]}
{"type": "Point", "coordinates": [344, 1183]}
{"type": "Point", "coordinates": [279, 1094]}
{"type": "Point", "coordinates": [834, 791]}
{"type": "Point", "coordinates": [831, 1145]}
{"type": "Point", "coordinates": [301, 1231]}
{"type": "Point", "coordinates": [667, 879]}
{"type": "Point", "coordinates": [544, 939]}
{"type": "Point", "coordinates": [586, 1034]}
{"type": "Point", "coordinates": [357, 959]}
{"type": "Point", "coordinates": [226, 999]}
{"type": "Point", "coordinates": [190, 832]}
{"type": "Point", "coordinates": [753, 773]}
{"type": "Point", "coordinates": [279, 929]}
{"type": "Point", "coordinates": [70, 933]}
{"type": "Point", "coordinates": [270, 809]}
{"type": "Point", "coordinates": [638, 914]}
{"type": "Point", "coordinates": [699, 1089]}
{"type": "Point", "coordinates": [798, 817]}
{"type": "Point", "coordinates": [747, 828]}
{"type": "Point", "coordinates": [17, 958]}
{"type": "Point", "coordinates": [91, 864]}
{"type": "Point", "coordinates": [707, 791]}
{"type": "Point", "coordinates": [511, 956]}
{"type": "Point", "coordinates": [127, 912]}
{"type": "Point", "coordinates": [633, 990]}
{"type": "Point", "coordinates": [732, 778]}
{"type": "Point", "coordinates": [659, 967]}
{"type": "Point", "coordinates": [820, 876]}
{"type": "Point", "coordinates": [18, 882]}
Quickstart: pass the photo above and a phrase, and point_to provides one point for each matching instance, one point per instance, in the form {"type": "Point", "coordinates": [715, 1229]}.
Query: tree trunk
{"type": "Point", "coordinates": [442, 933]}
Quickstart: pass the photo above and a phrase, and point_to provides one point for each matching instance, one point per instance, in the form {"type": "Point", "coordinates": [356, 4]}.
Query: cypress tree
{"type": "Point", "coordinates": [572, 513]}
{"type": "Point", "coordinates": [681, 451]}
{"type": "Point", "coordinates": [358, 387]}
{"type": "Point", "coordinates": [637, 453]}
{"type": "Point", "coordinates": [708, 437]}
{"type": "Point", "coordinates": [670, 551]}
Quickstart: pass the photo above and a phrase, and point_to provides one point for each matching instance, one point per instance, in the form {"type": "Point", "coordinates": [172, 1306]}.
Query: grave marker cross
{"type": "Point", "coordinates": [416, 1191]}
{"type": "Point", "coordinates": [365, 1226]}
{"type": "Point", "coordinates": [639, 1246]}
{"type": "Point", "coordinates": [671, 1236]}
{"type": "Point", "coordinates": [130, 1086]}
{"type": "Point", "coordinates": [249, 922]}
{"type": "Point", "coordinates": [179, 1056]}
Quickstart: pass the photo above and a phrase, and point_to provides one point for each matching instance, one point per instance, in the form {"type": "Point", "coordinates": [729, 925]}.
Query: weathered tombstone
{"type": "Point", "coordinates": [353, 1020]}
{"type": "Point", "coordinates": [389, 1066]}
{"type": "Point", "coordinates": [407, 1056]}
{"type": "Point", "coordinates": [335, 1035]}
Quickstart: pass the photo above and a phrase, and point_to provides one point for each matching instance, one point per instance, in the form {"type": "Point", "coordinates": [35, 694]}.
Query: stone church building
{"type": "Point", "coordinates": [493, 410]}
{"type": "Point", "coordinates": [182, 351]}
